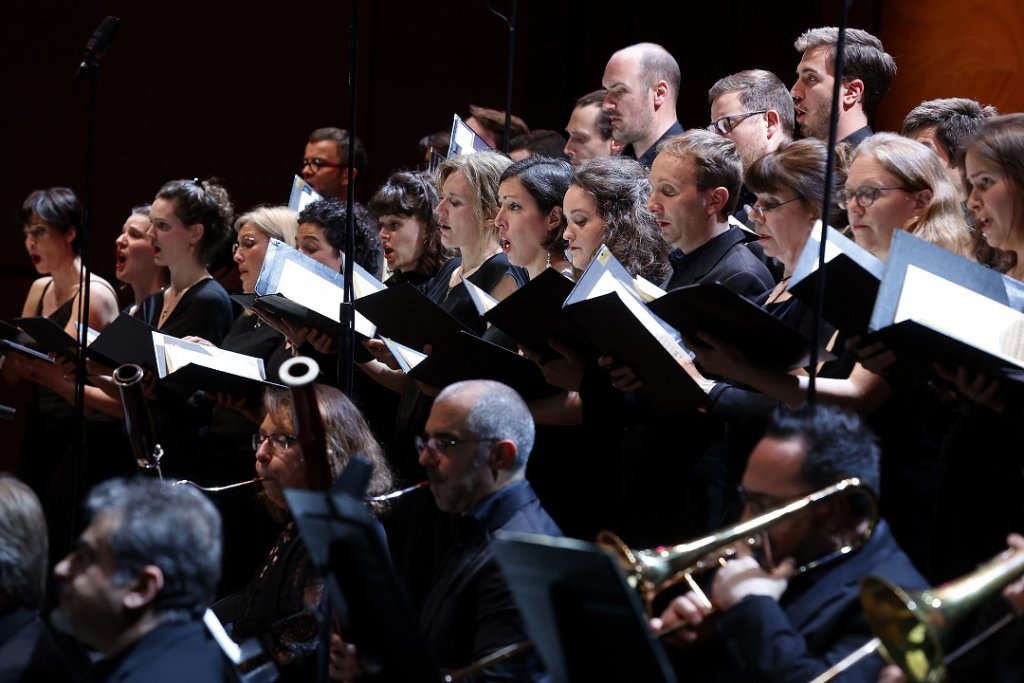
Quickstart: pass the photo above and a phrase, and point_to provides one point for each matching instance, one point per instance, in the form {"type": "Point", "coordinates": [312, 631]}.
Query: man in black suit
{"type": "Point", "coordinates": [138, 580]}
{"type": "Point", "coordinates": [773, 623]}
{"type": "Point", "coordinates": [477, 441]}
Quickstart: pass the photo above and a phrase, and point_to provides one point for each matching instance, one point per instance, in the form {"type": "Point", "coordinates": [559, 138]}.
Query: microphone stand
{"type": "Point", "coordinates": [819, 300]}
{"type": "Point", "coordinates": [90, 64]}
{"type": "Point", "coordinates": [347, 335]}
{"type": "Point", "coordinates": [511, 23]}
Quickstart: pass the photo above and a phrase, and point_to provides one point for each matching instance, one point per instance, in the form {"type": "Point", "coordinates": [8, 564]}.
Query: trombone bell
{"type": "Point", "coordinates": [914, 627]}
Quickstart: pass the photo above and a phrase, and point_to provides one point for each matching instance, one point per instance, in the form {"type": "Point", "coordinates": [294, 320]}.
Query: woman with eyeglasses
{"type": "Point", "coordinates": [895, 183]}
{"type": "Point", "coordinates": [284, 604]}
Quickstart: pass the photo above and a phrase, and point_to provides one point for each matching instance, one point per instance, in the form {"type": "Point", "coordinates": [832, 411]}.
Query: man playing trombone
{"type": "Point", "coordinates": [792, 611]}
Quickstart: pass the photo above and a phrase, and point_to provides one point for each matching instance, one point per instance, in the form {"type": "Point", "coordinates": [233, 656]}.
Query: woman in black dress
{"type": "Point", "coordinates": [190, 223]}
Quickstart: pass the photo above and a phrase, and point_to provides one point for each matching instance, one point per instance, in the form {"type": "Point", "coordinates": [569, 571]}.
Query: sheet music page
{"type": "Point", "coordinates": [481, 299]}
{"type": "Point", "coordinates": [961, 313]}
{"type": "Point", "coordinates": [310, 290]}
{"type": "Point", "coordinates": [608, 283]}
{"type": "Point", "coordinates": [647, 290]}
{"type": "Point", "coordinates": [177, 353]}
{"type": "Point", "coordinates": [406, 356]}
{"type": "Point", "coordinates": [302, 194]}
{"type": "Point", "coordinates": [363, 283]}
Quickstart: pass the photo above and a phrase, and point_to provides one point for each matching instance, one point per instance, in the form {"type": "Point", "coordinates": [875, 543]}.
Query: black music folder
{"type": "Point", "coordinates": [466, 356]}
{"type": "Point", "coordinates": [13, 339]}
{"type": "Point", "coordinates": [345, 543]}
{"type": "Point", "coordinates": [405, 314]}
{"type": "Point", "coordinates": [533, 314]}
{"type": "Point", "coordinates": [607, 306]}
{"type": "Point", "coordinates": [126, 340]}
{"type": "Point", "coordinates": [936, 306]}
{"type": "Point", "coordinates": [10, 345]}
{"type": "Point", "coordinates": [576, 605]}
{"type": "Point", "coordinates": [711, 307]}
{"type": "Point", "coordinates": [852, 278]}
{"type": "Point", "coordinates": [49, 337]}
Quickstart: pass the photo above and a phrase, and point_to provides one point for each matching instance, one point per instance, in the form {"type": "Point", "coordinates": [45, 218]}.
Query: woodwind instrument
{"type": "Point", "coordinates": [137, 419]}
{"type": "Point", "coordinates": [300, 374]}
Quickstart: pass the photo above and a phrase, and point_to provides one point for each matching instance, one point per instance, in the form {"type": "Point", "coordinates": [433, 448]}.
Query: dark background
{"type": "Point", "coordinates": [223, 89]}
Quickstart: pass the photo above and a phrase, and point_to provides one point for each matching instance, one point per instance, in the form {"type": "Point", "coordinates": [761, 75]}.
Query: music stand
{"type": "Point", "coordinates": [346, 545]}
{"type": "Point", "coordinates": [575, 602]}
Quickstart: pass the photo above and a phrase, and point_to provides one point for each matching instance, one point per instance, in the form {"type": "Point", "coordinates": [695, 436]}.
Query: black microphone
{"type": "Point", "coordinates": [98, 43]}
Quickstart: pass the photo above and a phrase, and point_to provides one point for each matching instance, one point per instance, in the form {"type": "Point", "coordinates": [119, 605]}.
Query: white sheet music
{"type": "Point", "coordinates": [961, 313]}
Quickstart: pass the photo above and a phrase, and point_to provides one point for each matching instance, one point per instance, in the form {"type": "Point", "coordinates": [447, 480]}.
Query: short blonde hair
{"type": "Point", "coordinates": [482, 171]}
{"type": "Point", "coordinates": [278, 222]}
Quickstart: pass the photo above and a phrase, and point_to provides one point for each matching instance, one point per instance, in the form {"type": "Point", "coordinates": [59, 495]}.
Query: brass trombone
{"type": "Point", "coordinates": [653, 570]}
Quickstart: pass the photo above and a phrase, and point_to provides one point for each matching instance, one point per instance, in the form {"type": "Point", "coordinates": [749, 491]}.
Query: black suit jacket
{"type": "Point", "coordinates": [173, 652]}
{"type": "Point", "coordinates": [470, 611]}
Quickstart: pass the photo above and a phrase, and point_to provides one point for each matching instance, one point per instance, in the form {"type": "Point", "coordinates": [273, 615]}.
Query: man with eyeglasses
{"type": "Point", "coordinates": [770, 621]}
{"type": "Point", "coordinates": [755, 110]}
{"type": "Point", "coordinates": [326, 159]}
{"type": "Point", "coordinates": [475, 448]}
{"type": "Point", "coordinates": [642, 83]}
{"type": "Point", "coordinates": [868, 71]}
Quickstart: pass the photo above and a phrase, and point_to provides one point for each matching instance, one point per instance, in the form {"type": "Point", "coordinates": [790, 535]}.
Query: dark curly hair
{"type": "Point", "coordinates": [332, 216]}
{"type": "Point", "coordinates": [203, 202]}
{"type": "Point", "coordinates": [58, 206]}
{"type": "Point", "coordinates": [413, 194]}
{"type": "Point", "coordinates": [620, 190]}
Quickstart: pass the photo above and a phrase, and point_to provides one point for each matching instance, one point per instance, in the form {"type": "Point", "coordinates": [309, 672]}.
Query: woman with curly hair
{"type": "Point", "coordinates": [607, 204]}
{"type": "Point", "coordinates": [322, 235]}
